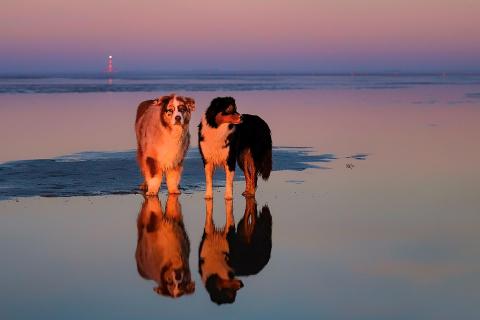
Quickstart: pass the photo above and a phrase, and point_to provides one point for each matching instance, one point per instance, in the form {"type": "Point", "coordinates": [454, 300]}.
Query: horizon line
{"type": "Point", "coordinates": [242, 72]}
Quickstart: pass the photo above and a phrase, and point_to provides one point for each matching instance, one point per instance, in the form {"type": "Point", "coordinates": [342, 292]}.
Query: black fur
{"type": "Point", "coordinates": [219, 295]}
{"type": "Point", "coordinates": [249, 251]}
{"type": "Point", "coordinates": [218, 105]}
{"type": "Point", "coordinates": [253, 133]}
{"type": "Point", "coordinates": [249, 257]}
{"type": "Point", "coordinates": [200, 139]}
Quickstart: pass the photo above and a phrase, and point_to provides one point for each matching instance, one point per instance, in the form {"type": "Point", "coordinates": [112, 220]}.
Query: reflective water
{"type": "Point", "coordinates": [394, 236]}
{"type": "Point", "coordinates": [102, 173]}
{"type": "Point", "coordinates": [154, 82]}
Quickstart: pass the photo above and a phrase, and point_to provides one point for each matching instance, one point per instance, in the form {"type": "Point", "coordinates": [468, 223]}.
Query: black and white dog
{"type": "Point", "coordinates": [225, 138]}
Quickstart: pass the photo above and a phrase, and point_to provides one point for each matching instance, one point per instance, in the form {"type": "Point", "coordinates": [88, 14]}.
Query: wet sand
{"type": "Point", "coordinates": [392, 236]}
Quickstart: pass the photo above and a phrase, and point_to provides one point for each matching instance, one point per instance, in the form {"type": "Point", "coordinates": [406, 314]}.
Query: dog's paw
{"type": "Point", "coordinates": [228, 196]}
{"type": "Point", "coordinates": [248, 194]}
{"type": "Point", "coordinates": [176, 191]}
{"type": "Point", "coordinates": [208, 196]}
{"type": "Point", "coordinates": [151, 193]}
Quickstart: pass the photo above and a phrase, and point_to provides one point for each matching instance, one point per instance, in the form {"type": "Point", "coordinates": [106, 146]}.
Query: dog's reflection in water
{"type": "Point", "coordinates": [225, 254]}
{"type": "Point", "coordinates": [253, 240]}
{"type": "Point", "coordinates": [163, 247]}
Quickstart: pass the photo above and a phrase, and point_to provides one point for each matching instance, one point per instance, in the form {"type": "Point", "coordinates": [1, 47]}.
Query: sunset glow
{"type": "Point", "coordinates": [302, 35]}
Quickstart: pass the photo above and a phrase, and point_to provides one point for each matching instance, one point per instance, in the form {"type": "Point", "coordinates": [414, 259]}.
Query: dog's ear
{"type": "Point", "coordinates": [163, 101]}
{"type": "Point", "coordinates": [190, 104]}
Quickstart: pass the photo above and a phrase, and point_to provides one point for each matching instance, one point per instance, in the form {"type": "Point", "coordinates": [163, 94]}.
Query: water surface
{"type": "Point", "coordinates": [393, 236]}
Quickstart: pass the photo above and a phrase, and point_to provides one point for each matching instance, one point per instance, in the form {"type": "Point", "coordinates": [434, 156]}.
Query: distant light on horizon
{"type": "Point", "coordinates": [110, 64]}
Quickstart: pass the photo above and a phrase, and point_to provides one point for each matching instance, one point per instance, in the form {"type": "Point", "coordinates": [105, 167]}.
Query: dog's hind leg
{"type": "Point", "coordinates": [172, 177]}
{"type": "Point", "coordinates": [153, 177]}
{"type": "Point", "coordinates": [250, 173]}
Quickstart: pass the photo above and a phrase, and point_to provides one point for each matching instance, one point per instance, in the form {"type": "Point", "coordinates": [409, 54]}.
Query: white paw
{"type": "Point", "coordinates": [175, 191]}
{"type": "Point", "coordinates": [153, 186]}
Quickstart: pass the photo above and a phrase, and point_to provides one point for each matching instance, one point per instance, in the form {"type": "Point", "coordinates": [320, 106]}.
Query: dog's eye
{"type": "Point", "coordinates": [169, 111]}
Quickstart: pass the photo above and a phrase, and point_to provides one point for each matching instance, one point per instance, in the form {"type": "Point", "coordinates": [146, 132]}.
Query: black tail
{"type": "Point", "coordinates": [263, 162]}
{"type": "Point", "coordinates": [254, 133]}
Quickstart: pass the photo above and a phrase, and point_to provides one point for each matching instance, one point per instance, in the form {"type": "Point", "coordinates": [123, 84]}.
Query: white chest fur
{"type": "Point", "coordinates": [214, 142]}
{"type": "Point", "coordinates": [172, 149]}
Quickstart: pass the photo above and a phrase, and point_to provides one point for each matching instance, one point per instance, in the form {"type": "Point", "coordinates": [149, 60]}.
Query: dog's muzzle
{"type": "Point", "coordinates": [237, 118]}
{"type": "Point", "coordinates": [178, 120]}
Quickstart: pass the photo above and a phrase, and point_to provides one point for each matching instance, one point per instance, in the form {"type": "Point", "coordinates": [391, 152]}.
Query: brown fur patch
{"type": "Point", "coordinates": [250, 172]}
{"type": "Point", "coordinates": [142, 107]}
{"type": "Point", "coordinates": [152, 166]}
{"type": "Point", "coordinates": [190, 103]}
{"type": "Point", "coordinates": [229, 118]}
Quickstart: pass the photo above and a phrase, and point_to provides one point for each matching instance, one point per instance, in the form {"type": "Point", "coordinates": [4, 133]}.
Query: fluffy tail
{"type": "Point", "coordinates": [262, 150]}
{"type": "Point", "coordinates": [254, 134]}
{"type": "Point", "coordinates": [264, 162]}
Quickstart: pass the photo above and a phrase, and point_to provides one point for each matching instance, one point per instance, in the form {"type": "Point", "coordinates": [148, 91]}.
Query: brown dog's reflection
{"type": "Point", "coordinates": [225, 254]}
{"type": "Point", "coordinates": [163, 247]}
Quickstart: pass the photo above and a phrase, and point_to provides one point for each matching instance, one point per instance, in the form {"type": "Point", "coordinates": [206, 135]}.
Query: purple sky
{"type": "Point", "coordinates": [249, 35]}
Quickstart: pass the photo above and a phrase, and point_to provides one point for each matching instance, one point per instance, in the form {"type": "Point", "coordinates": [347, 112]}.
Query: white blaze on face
{"type": "Point", "coordinates": [177, 116]}
{"type": "Point", "coordinates": [176, 284]}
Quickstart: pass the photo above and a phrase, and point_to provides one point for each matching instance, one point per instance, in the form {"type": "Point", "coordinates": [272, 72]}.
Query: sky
{"type": "Point", "coordinates": [247, 35]}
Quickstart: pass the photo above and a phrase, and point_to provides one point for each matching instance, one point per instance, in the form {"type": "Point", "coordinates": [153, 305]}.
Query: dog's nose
{"type": "Point", "coordinates": [178, 275]}
{"type": "Point", "coordinates": [178, 118]}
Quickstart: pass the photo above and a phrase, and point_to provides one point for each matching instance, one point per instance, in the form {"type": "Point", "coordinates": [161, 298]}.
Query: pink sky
{"type": "Point", "coordinates": [241, 35]}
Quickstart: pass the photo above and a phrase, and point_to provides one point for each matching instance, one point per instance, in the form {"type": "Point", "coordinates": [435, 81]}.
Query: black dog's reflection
{"type": "Point", "coordinates": [163, 247]}
{"type": "Point", "coordinates": [225, 254]}
{"type": "Point", "coordinates": [253, 241]}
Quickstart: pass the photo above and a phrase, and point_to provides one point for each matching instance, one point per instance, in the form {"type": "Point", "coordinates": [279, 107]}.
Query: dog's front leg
{"type": "Point", "coordinates": [209, 225]}
{"type": "Point", "coordinates": [209, 168]}
{"type": "Point", "coordinates": [229, 183]}
{"type": "Point", "coordinates": [173, 179]}
{"type": "Point", "coordinates": [230, 219]}
{"type": "Point", "coordinates": [153, 184]}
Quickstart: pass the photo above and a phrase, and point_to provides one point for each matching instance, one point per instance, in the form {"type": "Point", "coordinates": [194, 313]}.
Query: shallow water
{"type": "Point", "coordinates": [103, 173]}
{"type": "Point", "coordinates": [144, 82]}
{"type": "Point", "coordinates": [393, 236]}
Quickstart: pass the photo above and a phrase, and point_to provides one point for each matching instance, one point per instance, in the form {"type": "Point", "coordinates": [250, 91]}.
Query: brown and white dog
{"type": "Point", "coordinates": [225, 138]}
{"type": "Point", "coordinates": [163, 247]}
{"type": "Point", "coordinates": [163, 138]}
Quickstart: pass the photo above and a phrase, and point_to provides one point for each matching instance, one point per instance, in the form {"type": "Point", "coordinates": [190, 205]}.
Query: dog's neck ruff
{"type": "Point", "coordinates": [214, 251]}
{"type": "Point", "coordinates": [215, 142]}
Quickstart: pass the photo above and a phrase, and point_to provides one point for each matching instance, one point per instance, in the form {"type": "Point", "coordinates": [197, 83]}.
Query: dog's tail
{"type": "Point", "coordinates": [263, 161]}
{"type": "Point", "coordinates": [262, 151]}
{"type": "Point", "coordinates": [259, 137]}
